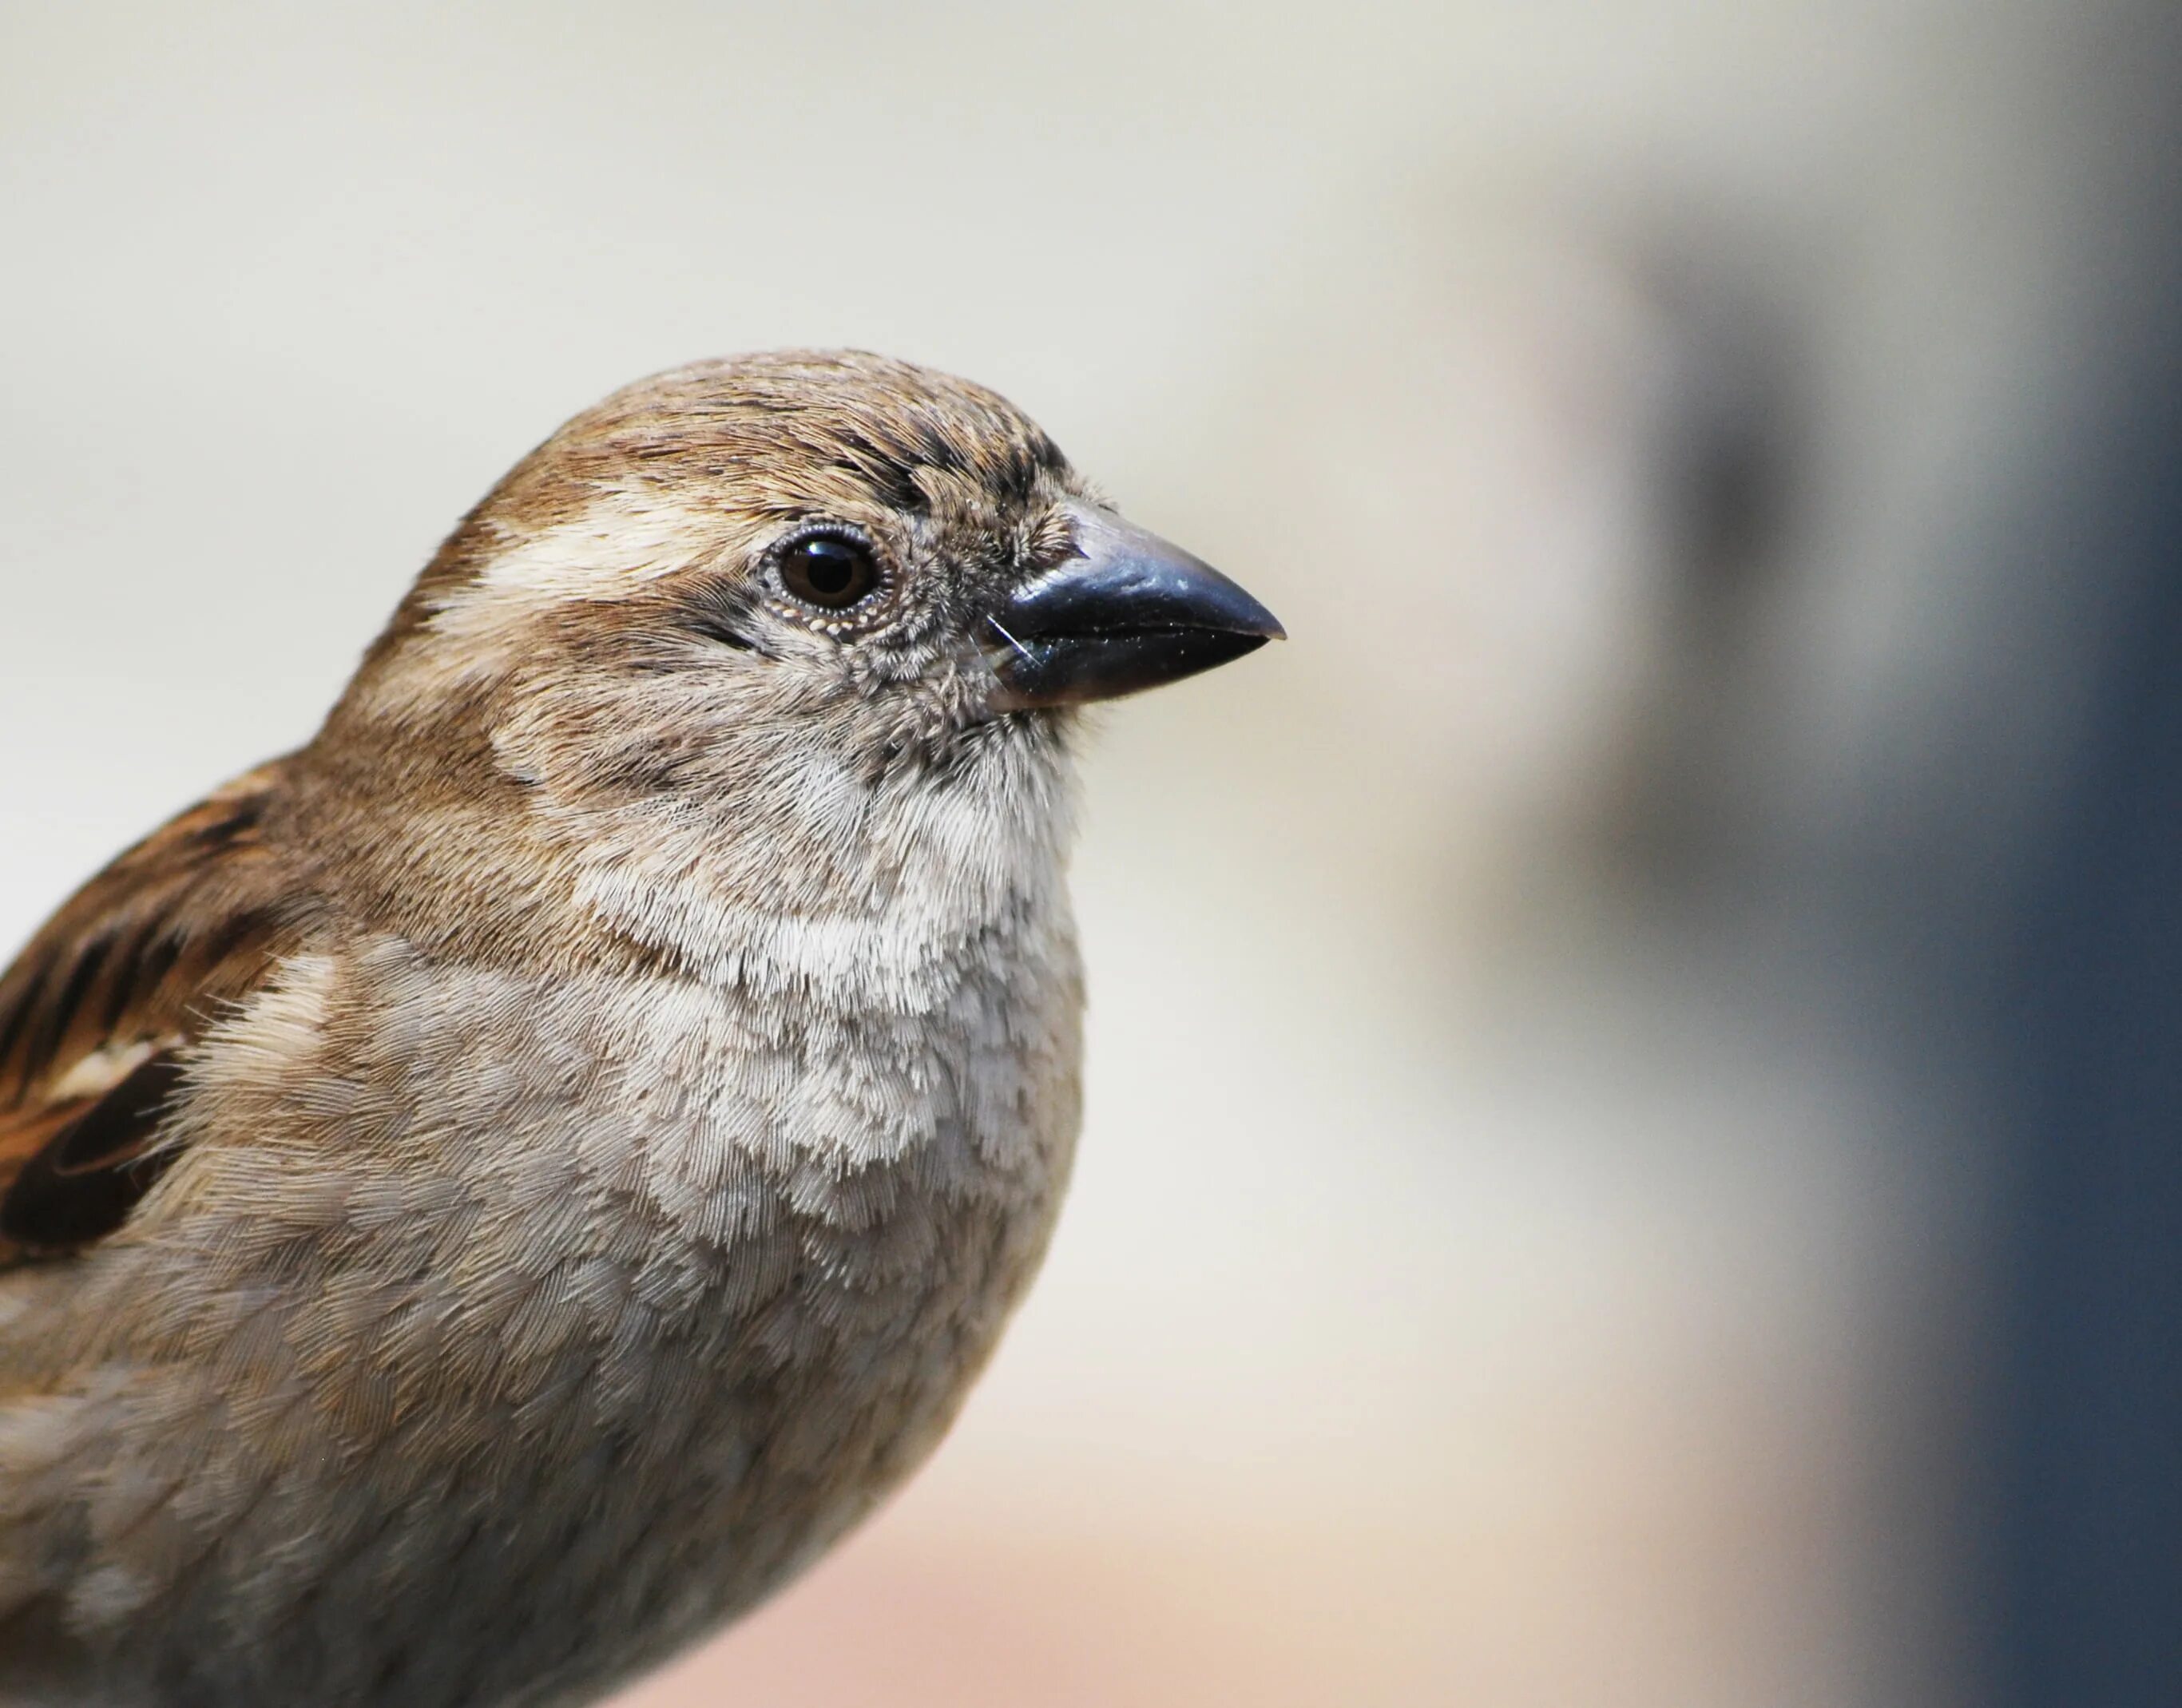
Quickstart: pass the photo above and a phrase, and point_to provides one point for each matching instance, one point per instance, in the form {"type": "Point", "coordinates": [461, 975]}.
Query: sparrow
{"type": "Point", "coordinates": [489, 1196]}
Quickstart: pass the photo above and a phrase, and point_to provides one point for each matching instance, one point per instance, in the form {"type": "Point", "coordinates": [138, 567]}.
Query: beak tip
{"type": "Point", "coordinates": [1250, 617]}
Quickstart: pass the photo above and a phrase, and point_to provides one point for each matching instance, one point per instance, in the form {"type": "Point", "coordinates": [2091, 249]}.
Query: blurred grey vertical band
{"type": "Point", "coordinates": [2079, 1566]}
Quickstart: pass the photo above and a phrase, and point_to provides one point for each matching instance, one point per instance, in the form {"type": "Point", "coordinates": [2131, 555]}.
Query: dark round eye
{"type": "Point", "coordinates": [830, 570]}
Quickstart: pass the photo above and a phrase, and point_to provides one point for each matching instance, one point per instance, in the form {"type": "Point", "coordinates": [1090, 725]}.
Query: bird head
{"type": "Point", "coordinates": [769, 594]}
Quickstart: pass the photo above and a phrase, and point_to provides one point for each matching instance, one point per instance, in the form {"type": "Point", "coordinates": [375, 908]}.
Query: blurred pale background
{"type": "Point", "coordinates": [1529, 1238]}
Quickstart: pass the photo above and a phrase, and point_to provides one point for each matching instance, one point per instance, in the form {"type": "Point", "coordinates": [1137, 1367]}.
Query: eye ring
{"type": "Point", "coordinates": [828, 571]}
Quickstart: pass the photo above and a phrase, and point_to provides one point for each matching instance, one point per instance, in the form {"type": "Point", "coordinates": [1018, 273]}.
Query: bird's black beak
{"type": "Point", "coordinates": [1126, 613]}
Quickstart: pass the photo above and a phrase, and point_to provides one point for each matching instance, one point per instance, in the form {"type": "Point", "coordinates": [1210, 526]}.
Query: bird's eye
{"type": "Point", "coordinates": [829, 571]}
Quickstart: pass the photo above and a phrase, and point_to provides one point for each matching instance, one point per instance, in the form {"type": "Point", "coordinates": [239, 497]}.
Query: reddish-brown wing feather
{"type": "Point", "coordinates": [97, 1012]}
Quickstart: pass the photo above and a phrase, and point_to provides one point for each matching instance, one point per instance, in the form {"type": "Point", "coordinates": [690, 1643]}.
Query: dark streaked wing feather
{"type": "Point", "coordinates": [84, 1179]}
{"type": "Point", "coordinates": [129, 973]}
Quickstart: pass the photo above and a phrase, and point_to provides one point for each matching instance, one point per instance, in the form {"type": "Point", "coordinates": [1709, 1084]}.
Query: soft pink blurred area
{"type": "Point", "coordinates": [1531, 1594]}
{"type": "Point", "coordinates": [1508, 1262]}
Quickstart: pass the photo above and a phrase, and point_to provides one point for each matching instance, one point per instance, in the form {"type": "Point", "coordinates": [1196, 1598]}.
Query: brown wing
{"type": "Point", "coordinates": [95, 1013]}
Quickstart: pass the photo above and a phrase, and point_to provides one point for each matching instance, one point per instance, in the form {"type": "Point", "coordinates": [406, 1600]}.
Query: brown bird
{"type": "Point", "coordinates": [489, 1196]}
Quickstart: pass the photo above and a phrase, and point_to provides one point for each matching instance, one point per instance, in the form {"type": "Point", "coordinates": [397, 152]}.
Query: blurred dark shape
{"type": "Point", "coordinates": [1729, 451]}
{"type": "Point", "coordinates": [2080, 1530]}
{"type": "Point", "coordinates": [2088, 1530]}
